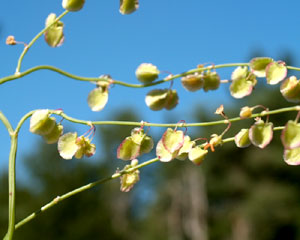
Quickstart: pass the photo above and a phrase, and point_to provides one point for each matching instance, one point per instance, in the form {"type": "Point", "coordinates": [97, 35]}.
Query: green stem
{"type": "Point", "coordinates": [34, 40]}
{"type": "Point", "coordinates": [11, 177]}
{"type": "Point", "coordinates": [203, 124]}
{"type": "Point", "coordinates": [58, 199]}
{"type": "Point", "coordinates": [96, 79]}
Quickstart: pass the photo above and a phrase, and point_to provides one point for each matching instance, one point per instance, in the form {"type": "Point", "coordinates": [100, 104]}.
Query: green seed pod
{"type": "Point", "coordinates": [41, 123]}
{"type": "Point", "coordinates": [128, 180]}
{"type": "Point", "coordinates": [147, 73]}
{"type": "Point", "coordinates": [73, 5]}
{"type": "Point", "coordinates": [172, 99]}
{"type": "Point", "coordinates": [197, 154]}
{"type": "Point", "coordinates": [242, 138]}
{"type": "Point", "coordinates": [192, 82]}
{"type": "Point", "coordinates": [290, 89]}
{"type": "Point", "coordinates": [290, 135]}
{"type": "Point", "coordinates": [53, 136]}
{"type": "Point", "coordinates": [147, 145]}
{"type": "Point", "coordinates": [156, 99]}
{"type": "Point", "coordinates": [54, 36]}
{"type": "Point", "coordinates": [258, 65]}
{"type": "Point", "coordinates": [211, 81]}
{"type": "Point", "coordinates": [261, 133]}
{"type": "Point", "coordinates": [186, 148]}
{"type": "Point", "coordinates": [128, 6]}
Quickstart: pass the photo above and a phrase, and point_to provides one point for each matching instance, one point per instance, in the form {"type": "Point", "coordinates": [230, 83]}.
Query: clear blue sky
{"type": "Point", "coordinates": [174, 35]}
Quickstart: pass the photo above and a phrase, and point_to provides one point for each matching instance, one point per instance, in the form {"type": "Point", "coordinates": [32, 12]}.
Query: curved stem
{"type": "Point", "coordinates": [34, 40]}
{"type": "Point", "coordinates": [11, 177]}
{"type": "Point", "coordinates": [81, 189]}
{"type": "Point", "coordinates": [96, 79]}
{"type": "Point", "coordinates": [203, 124]}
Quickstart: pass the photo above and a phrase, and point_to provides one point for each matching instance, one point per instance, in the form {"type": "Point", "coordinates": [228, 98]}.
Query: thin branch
{"type": "Point", "coordinates": [34, 40]}
{"type": "Point", "coordinates": [58, 199]}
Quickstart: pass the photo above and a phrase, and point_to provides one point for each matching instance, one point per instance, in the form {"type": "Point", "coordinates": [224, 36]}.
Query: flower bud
{"type": "Point", "coordinates": [147, 73]}
{"type": "Point", "coordinates": [246, 112]}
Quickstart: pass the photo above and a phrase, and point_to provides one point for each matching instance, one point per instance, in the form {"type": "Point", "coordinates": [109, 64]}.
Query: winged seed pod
{"type": "Point", "coordinates": [211, 81]}
{"type": "Point", "coordinates": [192, 82]}
{"type": "Point", "coordinates": [242, 83]}
{"type": "Point", "coordinates": [70, 145]}
{"type": "Point", "coordinates": [53, 136]}
{"type": "Point", "coordinates": [241, 139]}
{"type": "Point", "coordinates": [73, 5]}
{"type": "Point", "coordinates": [261, 133]}
{"type": "Point", "coordinates": [258, 65]}
{"type": "Point", "coordinates": [186, 148]}
{"type": "Point", "coordinates": [197, 154]}
{"type": "Point", "coordinates": [290, 89]}
{"type": "Point", "coordinates": [290, 135]}
{"type": "Point", "coordinates": [135, 145]}
{"type": "Point", "coordinates": [158, 99]}
{"type": "Point", "coordinates": [128, 180]}
{"type": "Point", "coordinates": [41, 123]}
{"type": "Point", "coordinates": [128, 6]}
{"type": "Point", "coordinates": [276, 72]}
{"type": "Point", "coordinates": [54, 36]}
{"type": "Point", "coordinates": [147, 73]}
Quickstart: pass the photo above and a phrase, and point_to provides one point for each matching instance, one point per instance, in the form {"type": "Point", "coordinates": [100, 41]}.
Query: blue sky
{"type": "Point", "coordinates": [174, 35]}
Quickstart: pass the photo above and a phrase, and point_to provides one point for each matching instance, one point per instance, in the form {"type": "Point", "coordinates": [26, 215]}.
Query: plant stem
{"type": "Point", "coordinates": [34, 40]}
{"type": "Point", "coordinates": [11, 177]}
{"type": "Point", "coordinates": [81, 189]}
{"type": "Point", "coordinates": [96, 79]}
{"type": "Point", "coordinates": [203, 124]}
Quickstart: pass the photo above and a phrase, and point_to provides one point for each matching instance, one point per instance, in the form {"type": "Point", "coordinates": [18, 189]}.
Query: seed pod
{"type": "Point", "coordinates": [73, 5]}
{"type": "Point", "coordinates": [156, 99]}
{"type": "Point", "coordinates": [192, 82]}
{"type": "Point", "coordinates": [290, 89]}
{"type": "Point", "coordinates": [172, 99]}
{"type": "Point", "coordinates": [242, 138]}
{"type": "Point", "coordinates": [197, 154]}
{"type": "Point", "coordinates": [258, 65]}
{"type": "Point", "coordinates": [147, 73]}
{"type": "Point", "coordinates": [290, 135]}
{"type": "Point", "coordinates": [41, 123]}
{"type": "Point", "coordinates": [275, 72]}
{"type": "Point", "coordinates": [54, 36]}
{"type": "Point", "coordinates": [261, 133]}
{"type": "Point", "coordinates": [97, 98]}
{"type": "Point", "coordinates": [211, 81]}
{"type": "Point", "coordinates": [242, 83]}
{"type": "Point", "coordinates": [53, 136]}
{"type": "Point", "coordinates": [128, 6]}
{"type": "Point", "coordinates": [186, 148]}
